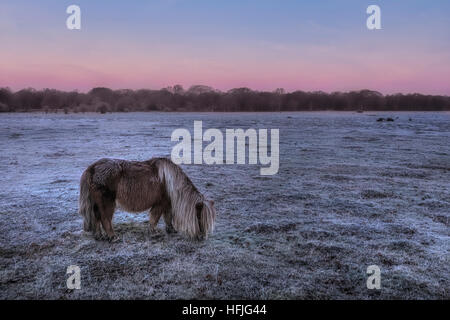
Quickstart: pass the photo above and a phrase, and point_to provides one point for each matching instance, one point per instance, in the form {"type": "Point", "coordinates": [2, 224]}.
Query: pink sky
{"type": "Point", "coordinates": [131, 55]}
{"type": "Point", "coordinates": [327, 69]}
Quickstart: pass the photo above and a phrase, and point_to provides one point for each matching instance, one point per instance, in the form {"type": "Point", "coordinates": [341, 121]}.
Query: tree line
{"type": "Point", "coordinates": [204, 98]}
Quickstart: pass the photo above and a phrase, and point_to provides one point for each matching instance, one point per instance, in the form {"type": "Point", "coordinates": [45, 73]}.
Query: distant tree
{"type": "Point", "coordinates": [103, 94]}
{"type": "Point", "coordinates": [52, 99]}
{"type": "Point", "coordinates": [103, 107]}
{"type": "Point", "coordinates": [279, 91]}
{"type": "Point", "coordinates": [3, 107]}
{"type": "Point", "coordinates": [6, 97]}
{"type": "Point", "coordinates": [27, 99]}
{"type": "Point", "coordinates": [178, 89]}
{"type": "Point", "coordinates": [199, 89]}
{"type": "Point", "coordinates": [204, 98]}
{"type": "Point", "coordinates": [125, 104]}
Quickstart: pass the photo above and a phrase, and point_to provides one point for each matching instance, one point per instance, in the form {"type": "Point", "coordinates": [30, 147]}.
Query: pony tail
{"type": "Point", "coordinates": [85, 203]}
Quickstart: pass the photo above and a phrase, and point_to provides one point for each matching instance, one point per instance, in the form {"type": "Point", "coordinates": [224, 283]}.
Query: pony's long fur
{"type": "Point", "coordinates": [157, 184]}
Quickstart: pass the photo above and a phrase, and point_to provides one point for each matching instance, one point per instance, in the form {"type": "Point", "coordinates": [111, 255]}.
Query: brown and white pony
{"type": "Point", "coordinates": [157, 184]}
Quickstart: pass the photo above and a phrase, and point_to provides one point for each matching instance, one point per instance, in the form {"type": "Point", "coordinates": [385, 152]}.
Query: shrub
{"type": "Point", "coordinates": [4, 107]}
{"type": "Point", "coordinates": [103, 108]}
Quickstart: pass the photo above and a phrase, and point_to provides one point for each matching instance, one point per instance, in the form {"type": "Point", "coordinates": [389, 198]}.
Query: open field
{"type": "Point", "coordinates": [351, 192]}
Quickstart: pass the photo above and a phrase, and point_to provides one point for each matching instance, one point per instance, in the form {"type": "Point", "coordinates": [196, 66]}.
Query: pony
{"type": "Point", "coordinates": [157, 185]}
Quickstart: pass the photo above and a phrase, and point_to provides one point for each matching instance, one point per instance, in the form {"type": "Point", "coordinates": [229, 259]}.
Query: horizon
{"type": "Point", "coordinates": [262, 45]}
{"type": "Point", "coordinates": [169, 88]}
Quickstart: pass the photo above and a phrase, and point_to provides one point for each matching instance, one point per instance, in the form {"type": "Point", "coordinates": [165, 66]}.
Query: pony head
{"type": "Point", "coordinates": [205, 216]}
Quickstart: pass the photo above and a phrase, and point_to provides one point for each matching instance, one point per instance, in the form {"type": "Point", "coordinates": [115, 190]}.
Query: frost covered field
{"type": "Point", "coordinates": [351, 192]}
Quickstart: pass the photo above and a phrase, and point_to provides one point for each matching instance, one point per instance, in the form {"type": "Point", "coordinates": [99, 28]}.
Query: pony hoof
{"type": "Point", "coordinates": [170, 230]}
{"type": "Point", "coordinates": [113, 239]}
{"type": "Point", "coordinates": [99, 237]}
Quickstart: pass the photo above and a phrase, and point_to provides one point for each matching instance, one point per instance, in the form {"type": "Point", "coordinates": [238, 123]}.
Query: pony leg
{"type": "Point", "coordinates": [106, 218]}
{"type": "Point", "coordinates": [155, 215]}
{"type": "Point", "coordinates": [104, 211]}
{"type": "Point", "coordinates": [98, 231]}
{"type": "Point", "coordinates": [98, 213]}
{"type": "Point", "coordinates": [168, 220]}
